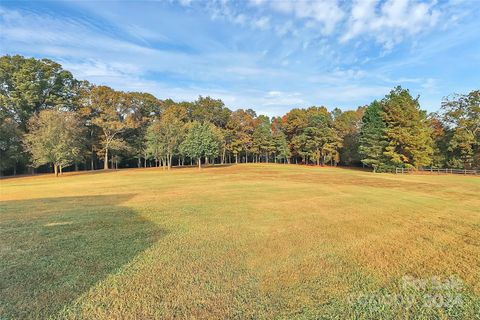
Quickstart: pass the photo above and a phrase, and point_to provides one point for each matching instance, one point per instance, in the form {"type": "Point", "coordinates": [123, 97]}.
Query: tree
{"type": "Point", "coordinates": [240, 128]}
{"type": "Point", "coordinates": [407, 130]}
{"type": "Point", "coordinates": [440, 139]}
{"type": "Point", "coordinates": [200, 141]}
{"type": "Point", "coordinates": [461, 116]}
{"type": "Point", "coordinates": [164, 138]}
{"type": "Point", "coordinates": [206, 109]}
{"type": "Point", "coordinates": [282, 151]}
{"type": "Point", "coordinates": [145, 108]}
{"type": "Point", "coordinates": [294, 122]}
{"type": "Point", "coordinates": [372, 138]}
{"type": "Point", "coordinates": [28, 85]}
{"type": "Point", "coordinates": [54, 137]}
{"type": "Point", "coordinates": [154, 142]}
{"type": "Point", "coordinates": [222, 140]}
{"type": "Point", "coordinates": [262, 142]}
{"type": "Point", "coordinates": [111, 113]}
{"type": "Point", "coordinates": [10, 145]}
{"type": "Point", "coordinates": [347, 125]}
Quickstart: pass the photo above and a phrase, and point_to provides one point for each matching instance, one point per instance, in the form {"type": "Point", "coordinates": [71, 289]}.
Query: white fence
{"type": "Point", "coordinates": [438, 171]}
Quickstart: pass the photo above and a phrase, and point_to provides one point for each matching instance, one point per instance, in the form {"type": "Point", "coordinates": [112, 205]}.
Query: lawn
{"type": "Point", "coordinates": [246, 241]}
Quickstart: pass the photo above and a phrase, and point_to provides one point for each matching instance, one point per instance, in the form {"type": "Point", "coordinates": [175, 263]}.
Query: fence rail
{"type": "Point", "coordinates": [437, 171]}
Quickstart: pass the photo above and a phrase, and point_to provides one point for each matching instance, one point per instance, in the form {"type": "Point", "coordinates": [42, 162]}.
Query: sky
{"type": "Point", "coordinates": [270, 56]}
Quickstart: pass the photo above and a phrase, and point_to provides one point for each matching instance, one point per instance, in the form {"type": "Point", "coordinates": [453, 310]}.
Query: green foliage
{"type": "Point", "coordinates": [262, 140]}
{"type": "Point", "coordinates": [316, 138]}
{"type": "Point", "coordinates": [372, 138]}
{"type": "Point", "coordinates": [348, 125]}
{"type": "Point", "coordinates": [406, 130]}
{"type": "Point", "coordinates": [461, 116]}
{"type": "Point", "coordinates": [282, 151]}
{"type": "Point", "coordinates": [154, 142]}
{"type": "Point", "coordinates": [206, 109]}
{"type": "Point", "coordinates": [200, 141]}
{"type": "Point", "coordinates": [163, 138]}
{"type": "Point", "coordinates": [28, 85]}
{"type": "Point", "coordinates": [396, 133]}
{"type": "Point", "coordinates": [54, 137]}
{"type": "Point", "coordinates": [439, 137]}
{"type": "Point", "coordinates": [10, 144]}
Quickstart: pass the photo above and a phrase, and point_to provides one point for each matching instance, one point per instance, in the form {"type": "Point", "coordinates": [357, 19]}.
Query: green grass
{"type": "Point", "coordinates": [245, 241]}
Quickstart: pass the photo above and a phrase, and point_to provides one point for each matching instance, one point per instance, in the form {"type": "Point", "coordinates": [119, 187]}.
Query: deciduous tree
{"type": "Point", "coordinates": [54, 137]}
{"type": "Point", "coordinates": [200, 141]}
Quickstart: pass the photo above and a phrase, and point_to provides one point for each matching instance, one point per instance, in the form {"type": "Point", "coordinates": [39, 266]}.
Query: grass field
{"type": "Point", "coordinates": [245, 241]}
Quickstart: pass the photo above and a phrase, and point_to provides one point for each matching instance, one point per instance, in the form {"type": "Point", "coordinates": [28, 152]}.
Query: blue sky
{"type": "Point", "coordinates": [267, 55]}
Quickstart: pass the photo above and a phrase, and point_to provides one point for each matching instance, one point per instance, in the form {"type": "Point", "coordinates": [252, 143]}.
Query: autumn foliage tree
{"type": "Point", "coordinates": [461, 116]}
{"type": "Point", "coordinates": [112, 115]}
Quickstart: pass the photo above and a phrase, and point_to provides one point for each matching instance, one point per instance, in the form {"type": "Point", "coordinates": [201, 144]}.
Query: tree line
{"type": "Point", "coordinates": [51, 122]}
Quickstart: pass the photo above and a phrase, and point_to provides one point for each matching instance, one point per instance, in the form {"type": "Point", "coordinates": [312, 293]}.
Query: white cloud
{"type": "Point", "coordinates": [389, 22]}
{"type": "Point", "coordinates": [326, 12]}
{"type": "Point", "coordinates": [262, 23]}
{"type": "Point", "coordinates": [288, 64]}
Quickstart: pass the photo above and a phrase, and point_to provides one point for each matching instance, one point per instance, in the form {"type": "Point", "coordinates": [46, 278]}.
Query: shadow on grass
{"type": "Point", "coordinates": [53, 250]}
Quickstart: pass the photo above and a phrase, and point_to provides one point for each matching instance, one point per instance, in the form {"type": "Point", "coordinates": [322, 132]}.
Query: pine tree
{"type": "Point", "coordinates": [372, 138]}
{"type": "Point", "coordinates": [407, 131]}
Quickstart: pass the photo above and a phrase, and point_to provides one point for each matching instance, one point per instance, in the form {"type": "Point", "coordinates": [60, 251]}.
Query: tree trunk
{"type": "Point", "coordinates": [199, 163]}
{"type": "Point", "coordinates": [92, 160]}
{"type": "Point", "coordinates": [105, 164]}
{"type": "Point", "coordinates": [55, 169]}
{"type": "Point", "coordinates": [61, 169]}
